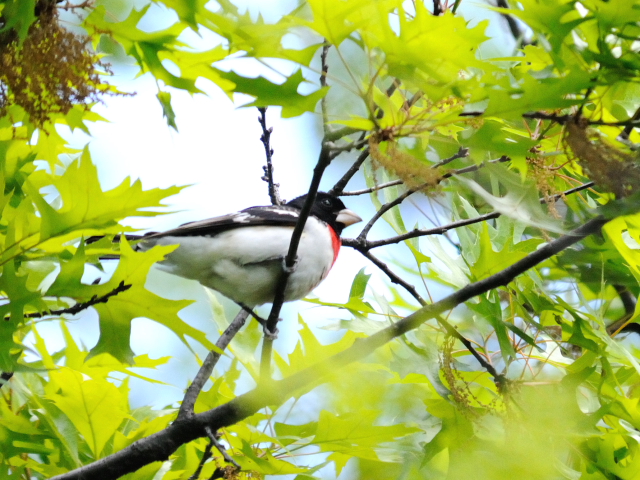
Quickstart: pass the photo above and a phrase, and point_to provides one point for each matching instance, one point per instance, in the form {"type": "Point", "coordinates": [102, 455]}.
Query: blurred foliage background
{"type": "Point", "coordinates": [473, 136]}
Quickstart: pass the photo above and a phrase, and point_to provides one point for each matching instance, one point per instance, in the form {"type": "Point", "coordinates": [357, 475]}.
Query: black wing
{"type": "Point", "coordinates": [254, 216]}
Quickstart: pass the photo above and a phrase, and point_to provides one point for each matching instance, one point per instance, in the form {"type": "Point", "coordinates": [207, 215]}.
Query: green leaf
{"type": "Point", "coordinates": [335, 20]}
{"type": "Point", "coordinates": [167, 110]}
{"type": "Point", "coordinates": [19, 16]}
{"type": "Point", "coordinates": [359, 285]}
{"type": "Point", "coordinates": [95, 407]}
{"type": "Point", "coordinates": [267, 93]}
{"type": "Point", "coordinates": [521, 201]}
{"type": "Point", "coordinates": [85, 207]}
{"type": "Point", "coordinates": [491, 261]}
{"type": "Point", "coordinates": [308, 350]}
{"type": "Point", "coordinates": [356, 433]}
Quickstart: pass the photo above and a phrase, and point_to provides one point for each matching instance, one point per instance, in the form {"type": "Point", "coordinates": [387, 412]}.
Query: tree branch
{"type": "Point", "coordinates": [159, 446]}
{"type": "Point", "coordinates": [290, 261]}
{"type": "Point", "coordinates": [190, 397]}
{"type": "Point", "coordinates": [78, 307]}
{"type": "Point", "coordinates": [338, 188]}
{"type": "Point", "coordinates": [393, 277]}
{"type": "Point", "coordinates": [324, 71]}
{"type": "Point", "coordinates": [265, 138]}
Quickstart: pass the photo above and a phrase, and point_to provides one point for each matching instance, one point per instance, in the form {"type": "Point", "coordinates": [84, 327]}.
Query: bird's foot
{"type": "Point", "coordinates": [268, 333]}
{"type": "Point", "coordinates": [262, 321]}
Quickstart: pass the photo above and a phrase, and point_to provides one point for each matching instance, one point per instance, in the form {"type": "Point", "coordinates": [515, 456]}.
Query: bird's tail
{"type": "Point", "coordinates": [116, 239]}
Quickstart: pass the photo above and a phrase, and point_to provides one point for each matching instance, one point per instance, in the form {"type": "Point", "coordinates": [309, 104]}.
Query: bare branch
{"type": "Point", "coordinates": [190, 397]}
{"type": "Point", "coordinates": [265, 138]}
{"type": "Point", "coordinates": [364, 191]}
{"type": "Point", "coordinates": [340, 184]}
{"type": "Point", "coordinates": [78, 307]}
{"type": "Point", "coordinates": [393, 277]}
{"type": "Point", "coordinates": [214, 441]}
{"type": "Point", "coordinates": [323, 83]}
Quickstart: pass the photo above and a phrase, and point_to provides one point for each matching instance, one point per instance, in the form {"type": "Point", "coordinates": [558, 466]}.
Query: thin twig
{"type": "Point", "coordinates": [190, 397]}
{"type": "Point", "coordinates": [462, 153]}
{"type": "Point", "coordinates": [206, 455]}
{"type": "Point", "coordinates": [265, 138]}
{"type": "Point", "coordinates": [388, 206]}
{"type": "Point", "coordinates": [78, 307]}
{"type": "Point", "coordinates": [393, 277]}
{"type": "Point", "coordinates": [323, 83]}
{"type": "Point", "coordinates": [499, 378]}
{"type": "Point", "coordinates": [361, 244]}
{"type": "Point", "coordinates": [628, 128]}
{"type": "Point", "coordinates": [338, 149]}
{"type": "Point", "coordinates": [437, 8]}
{"type": "Point", "coordinates": [220, 447]}
{"type": "Point", "coordinates": [340, 184]}
{"type": "Point", "coordinates": [160, 445]}
{"type": "Point", "coordinates": [364, 191]}
{"type": "Point", "coordinates": [562, 119]}
{"type": "Point", "coordinates": [629, 303]}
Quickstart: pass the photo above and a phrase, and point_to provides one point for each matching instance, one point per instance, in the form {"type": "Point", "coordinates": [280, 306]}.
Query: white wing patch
{"type": "Point", "coordinates": [243, 217]}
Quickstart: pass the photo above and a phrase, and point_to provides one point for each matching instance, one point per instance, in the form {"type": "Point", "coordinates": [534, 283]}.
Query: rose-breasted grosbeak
{"type": "Point", "coordinates": [241, 255]}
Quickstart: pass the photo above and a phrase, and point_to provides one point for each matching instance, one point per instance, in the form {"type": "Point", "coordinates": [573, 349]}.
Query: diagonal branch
{"type": "Point", "coordinates": [159, 446]}
{"type": "Point", "coordinates": [340, 184]}
{"type": "Point", "coordinates": [78, 307]}
{"type": "Point", "coordinates": [290, 260]}
{"type": "Point", "coordinates": [190, 397]}
{"type": "Point", "coordinates": [444, 323]}
{"type": "Point", "coordinates": [393, 277]}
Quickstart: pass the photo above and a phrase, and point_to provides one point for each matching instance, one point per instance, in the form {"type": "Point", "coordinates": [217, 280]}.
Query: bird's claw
{"type": "Point", "coordinates": [269, 334]}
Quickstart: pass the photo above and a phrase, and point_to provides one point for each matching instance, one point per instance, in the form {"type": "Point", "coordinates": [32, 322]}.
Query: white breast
{"type": "Point", "coordinates": [246, 270]}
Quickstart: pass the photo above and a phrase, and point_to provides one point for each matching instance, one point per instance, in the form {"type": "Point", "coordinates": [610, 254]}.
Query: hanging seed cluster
{"type": "Point", "coordinates": [49, 73]}
{"type": "Point", "coordinates": [412, 171]}
{"type": "Point", "coordinates": [613, 170]}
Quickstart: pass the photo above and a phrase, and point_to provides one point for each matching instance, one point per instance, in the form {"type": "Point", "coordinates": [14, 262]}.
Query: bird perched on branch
{"type": "Point", "coordinates": [241, 255]}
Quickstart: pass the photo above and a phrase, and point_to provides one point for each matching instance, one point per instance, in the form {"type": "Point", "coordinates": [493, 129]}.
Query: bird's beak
{"type": "Point", "coordinates": [347, 217]}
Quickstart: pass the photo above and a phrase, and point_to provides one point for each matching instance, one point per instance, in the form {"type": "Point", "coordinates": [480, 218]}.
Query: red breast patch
{"type": "Point", "coordinates": [336, 243]}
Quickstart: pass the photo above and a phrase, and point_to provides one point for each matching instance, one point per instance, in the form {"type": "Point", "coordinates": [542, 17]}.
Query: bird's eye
{"type": "Point", "coordinates": [326, 202]}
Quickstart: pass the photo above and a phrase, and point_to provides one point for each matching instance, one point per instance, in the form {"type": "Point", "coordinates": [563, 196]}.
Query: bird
{"type": "Point", "coordinates": [241, 255]}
